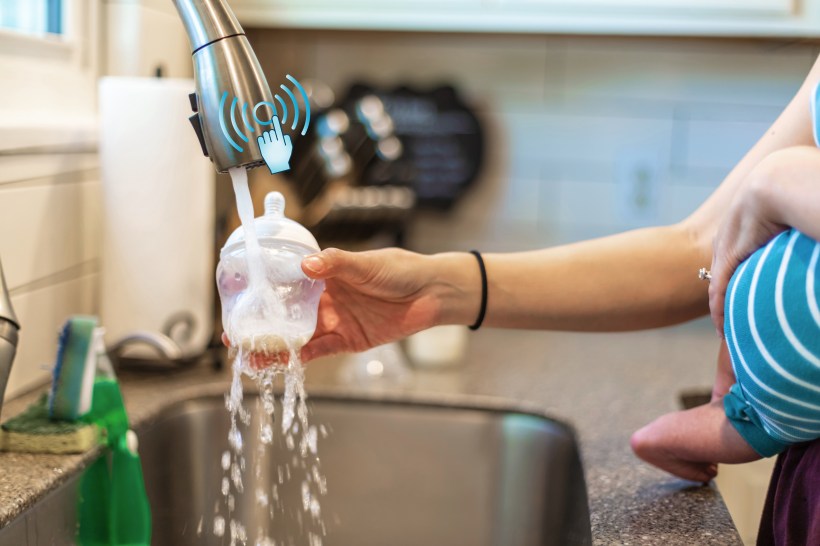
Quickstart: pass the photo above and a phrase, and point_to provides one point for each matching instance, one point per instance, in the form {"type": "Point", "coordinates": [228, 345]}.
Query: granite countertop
{"type": "Point", "coordinates": [604, 385]}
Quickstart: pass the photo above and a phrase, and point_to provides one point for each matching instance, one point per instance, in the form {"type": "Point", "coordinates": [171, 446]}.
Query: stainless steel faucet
{"type": "Point", "coordinates": [9, 326]}
{"type": "Point", "coordinates": [233, 103]}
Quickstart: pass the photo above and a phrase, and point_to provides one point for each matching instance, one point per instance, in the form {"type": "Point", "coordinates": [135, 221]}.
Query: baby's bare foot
{"type": "Point", "coordinates": [648, 446]}
{"type": "Point", "coordinates": [690, 443]}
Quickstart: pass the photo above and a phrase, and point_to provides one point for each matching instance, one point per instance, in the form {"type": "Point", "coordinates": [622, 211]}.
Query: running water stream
{"type": "Point", "coordinates": [252, 342]}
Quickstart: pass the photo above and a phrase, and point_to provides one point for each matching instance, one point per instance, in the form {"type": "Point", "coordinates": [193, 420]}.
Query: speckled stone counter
{"type": "Point", "coordinates": [604, 385]}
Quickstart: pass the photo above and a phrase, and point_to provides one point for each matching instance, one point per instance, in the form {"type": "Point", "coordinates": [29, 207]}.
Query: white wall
{"type": "Point", "coordinates": [49, 178]}
{"type": "Point", "coordinates": [141, 35]}
{"type": "Point", "coordinates": [571, 121]}
{"type": "Point", "coordinates": [49, 244]}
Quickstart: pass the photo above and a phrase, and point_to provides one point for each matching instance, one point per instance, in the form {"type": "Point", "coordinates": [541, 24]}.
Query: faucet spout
{"type": "Point", "coordinates": [233, 103]}
{"type": "Point", "coordinates": [206, 22]}
{"type": "Point", "coordinates": [9, 326]}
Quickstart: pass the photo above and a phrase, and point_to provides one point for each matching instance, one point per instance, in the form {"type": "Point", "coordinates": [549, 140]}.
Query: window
{"type": "Point", "coordinates": [32, 16]}
{"type": "Point", "coordinates": [49, 59]}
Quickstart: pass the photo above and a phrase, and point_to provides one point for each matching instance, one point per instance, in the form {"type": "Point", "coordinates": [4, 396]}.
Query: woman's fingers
{"type": "Point", "coordinates": [717, 283]}
{"type": "Point", "coordinates": [328, 263]}
{"type": "Point", "coordinates": [322, 346]}
{"type": "Point", "coordinates": [717, 292]}
{"type": "Point", "coordinates": [725, 376]}
{"type": "Point", "coordinates": [352, 267]}
{"type": "Point", "coordinates": [261, 360]}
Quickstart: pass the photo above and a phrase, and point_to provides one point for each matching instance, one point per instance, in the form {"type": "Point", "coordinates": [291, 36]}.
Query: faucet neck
{"type": "Point", "coordinates": [6, 310]}
{"type": "Point", "coordinates": [207, 21]}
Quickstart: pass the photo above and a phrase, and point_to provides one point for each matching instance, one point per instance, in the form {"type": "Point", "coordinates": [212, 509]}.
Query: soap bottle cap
{"type": "Point", "coordinates": [274, 227]}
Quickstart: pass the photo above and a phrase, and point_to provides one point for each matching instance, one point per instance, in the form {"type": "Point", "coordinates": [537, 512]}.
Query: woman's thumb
{"type": "Point", "coordinates": [333, 262]}
{"type": "Point", "coordinates": [314, 266]}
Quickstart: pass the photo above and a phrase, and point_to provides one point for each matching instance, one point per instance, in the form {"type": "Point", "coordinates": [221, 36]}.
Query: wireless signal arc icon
{"type": "Point", "coordinates": [243, 111]}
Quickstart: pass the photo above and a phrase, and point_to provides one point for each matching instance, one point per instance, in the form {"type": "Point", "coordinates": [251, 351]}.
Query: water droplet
{"type": "Point", "coordinates": [219, 526]}
{"type": "Point", "coordinates": [266, 434]}
{"type": "Point", "coordinates": [261, 497]}
{"type": "Point", "coordinates": [238, 532]}
{"type": "Point", "coordinates": [305, 495]}
{"type": "Point", "coordinates": [315, 509]}
{"type": "Point", "coordinates": [236, 477]}
{"type": "Point", "coordinates": [312, 440]}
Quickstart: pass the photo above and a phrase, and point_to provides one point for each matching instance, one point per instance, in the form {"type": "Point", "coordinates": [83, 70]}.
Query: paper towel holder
{"type": "Point", "coordinates": [225, 66]}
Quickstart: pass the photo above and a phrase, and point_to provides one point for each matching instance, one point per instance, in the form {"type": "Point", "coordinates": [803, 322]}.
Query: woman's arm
{"type": "Point", "coordinates": [639, 279]}
{"type": "Point", "coordinates": [788, 189]}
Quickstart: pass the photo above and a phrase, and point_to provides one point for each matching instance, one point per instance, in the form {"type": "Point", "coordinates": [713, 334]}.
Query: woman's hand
{"type": "Point", "coordinates": [725, 376]}
{"type": "Point", "coordinates": [749, 224]}
{"type": "Point", "coordinates": [783, 191]}
{"type": "Point", "coordinates": [375, 297]}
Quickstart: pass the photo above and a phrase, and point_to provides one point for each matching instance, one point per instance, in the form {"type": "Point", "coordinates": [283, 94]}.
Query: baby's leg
{"type": "Point", "coordinates": [690, 443]}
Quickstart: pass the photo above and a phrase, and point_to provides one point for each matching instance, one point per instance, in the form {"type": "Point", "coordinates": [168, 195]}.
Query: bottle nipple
{"type": "Point", "coordinates": [275, 204]}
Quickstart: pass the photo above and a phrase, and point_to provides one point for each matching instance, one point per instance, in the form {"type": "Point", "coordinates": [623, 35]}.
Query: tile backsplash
{"type": "Point", "coordinates": [586, 135]}
{"type": "Point", "coordinates": [49, 245]}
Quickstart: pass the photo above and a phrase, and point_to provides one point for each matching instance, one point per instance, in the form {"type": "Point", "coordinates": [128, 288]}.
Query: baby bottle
{"type": "Point", "coordinates": [268, 304]}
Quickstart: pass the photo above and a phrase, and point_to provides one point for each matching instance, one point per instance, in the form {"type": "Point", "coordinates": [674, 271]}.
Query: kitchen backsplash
{"type": "Point", "coordinates": [586, 136]}
{"type": "Point", "coordinates": [49, 221]}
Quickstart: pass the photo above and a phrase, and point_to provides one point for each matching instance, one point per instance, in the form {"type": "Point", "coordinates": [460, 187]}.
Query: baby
{"type": "Point", "coordinates": [772, 331]}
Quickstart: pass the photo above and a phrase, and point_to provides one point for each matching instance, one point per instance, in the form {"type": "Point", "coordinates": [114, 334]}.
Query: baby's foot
{"type": "Point", "coordinates": [690, 443]}
{"type": "Point", "coordinates": [648, 446]}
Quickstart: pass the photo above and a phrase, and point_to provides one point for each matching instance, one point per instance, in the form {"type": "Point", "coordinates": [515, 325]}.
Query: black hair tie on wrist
{"type": "Point", "coordinates": [483, 309]}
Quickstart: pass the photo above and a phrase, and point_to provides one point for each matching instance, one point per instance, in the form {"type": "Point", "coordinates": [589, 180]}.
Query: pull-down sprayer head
{"type": "Point", "coordinates": [233, 103]}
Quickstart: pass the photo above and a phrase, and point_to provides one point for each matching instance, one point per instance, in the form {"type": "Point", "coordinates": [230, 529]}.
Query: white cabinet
{"type": "Point", "coordinates": [349, 4]}
{"type": "Point", "coordinates": [724, 18]}
{"type": "Point", "coordinates": [668, 6]}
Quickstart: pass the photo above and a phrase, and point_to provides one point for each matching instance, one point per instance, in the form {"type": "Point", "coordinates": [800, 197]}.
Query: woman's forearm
{"type": "Point", "coordinates": [638, 279]}
{"type": "Point", "coordinates": [789, 187]}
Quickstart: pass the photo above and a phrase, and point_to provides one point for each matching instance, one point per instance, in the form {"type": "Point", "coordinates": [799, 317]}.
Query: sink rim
{"type": "Point", "coordinates": [474, 402]}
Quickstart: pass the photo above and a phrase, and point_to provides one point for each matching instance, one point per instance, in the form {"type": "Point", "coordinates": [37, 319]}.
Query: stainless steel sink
{"type": "Point", "coordinates": [397, 473]}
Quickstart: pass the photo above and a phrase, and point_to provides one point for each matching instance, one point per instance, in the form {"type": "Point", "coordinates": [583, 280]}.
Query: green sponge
{"type": "Point", "coordinates": [32, 431]}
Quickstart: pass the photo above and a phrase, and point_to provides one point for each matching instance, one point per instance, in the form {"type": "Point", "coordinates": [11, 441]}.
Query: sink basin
{"type": "Point", "coordinates": [397, 473]}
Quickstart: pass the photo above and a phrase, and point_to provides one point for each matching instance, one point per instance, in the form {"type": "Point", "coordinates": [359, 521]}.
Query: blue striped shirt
{"type": "Point", "coordinates": [772, 329]}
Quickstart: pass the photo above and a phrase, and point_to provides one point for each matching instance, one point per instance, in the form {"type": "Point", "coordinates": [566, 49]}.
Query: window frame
{"type": "Point", "coordinates": [51, 94]}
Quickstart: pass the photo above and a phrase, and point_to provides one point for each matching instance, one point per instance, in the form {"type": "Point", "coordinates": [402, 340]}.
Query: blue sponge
{"type": "Point", "coordinates": [73, 380]}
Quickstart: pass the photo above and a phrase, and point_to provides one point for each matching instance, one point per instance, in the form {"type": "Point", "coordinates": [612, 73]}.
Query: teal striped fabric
{"type": "Point", "coordinates": [772, 330]}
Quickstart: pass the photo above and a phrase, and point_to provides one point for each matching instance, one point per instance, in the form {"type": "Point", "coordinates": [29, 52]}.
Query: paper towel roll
{"type": "Point", "coordinates": [158, 227]}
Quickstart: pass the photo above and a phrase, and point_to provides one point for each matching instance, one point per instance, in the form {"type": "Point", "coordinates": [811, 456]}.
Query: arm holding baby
{"type": "Point", "coordinates": [765, 268]}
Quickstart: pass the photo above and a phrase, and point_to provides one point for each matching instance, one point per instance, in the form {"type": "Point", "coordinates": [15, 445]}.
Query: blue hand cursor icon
{"type": "Point", "coordinates": [275, 148]}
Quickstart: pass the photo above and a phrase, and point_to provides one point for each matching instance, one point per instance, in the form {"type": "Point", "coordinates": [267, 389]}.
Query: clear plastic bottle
{"type": "Point", "coordinates": [278, 313]}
